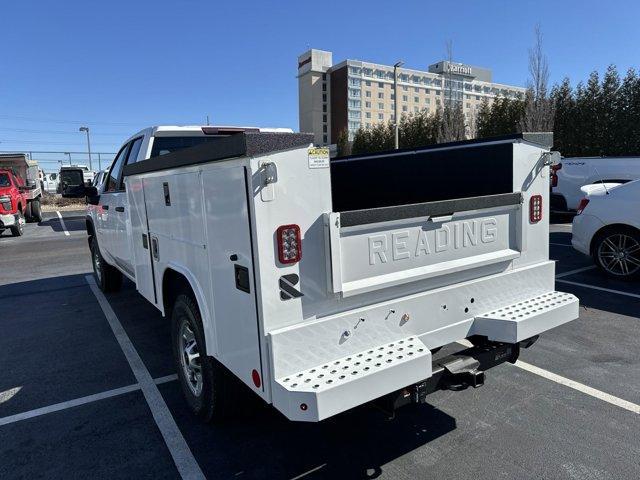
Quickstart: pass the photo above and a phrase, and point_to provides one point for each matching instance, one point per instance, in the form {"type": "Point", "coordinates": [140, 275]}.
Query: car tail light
{"type": "Point", "coordinates": [289, 244]}
{"type": "Point", "coordinates": [583, 204]}
{"type": "Point", "coordinates": [535, 208]}
{"type": "Point", "coordinates": [554, 174]}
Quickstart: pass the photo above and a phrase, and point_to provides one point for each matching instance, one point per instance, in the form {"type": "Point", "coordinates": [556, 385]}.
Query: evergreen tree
{"type": "Point", "coordinates": [564, 137]}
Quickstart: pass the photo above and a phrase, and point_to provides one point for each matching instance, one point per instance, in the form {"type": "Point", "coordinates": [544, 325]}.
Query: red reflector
{"type": "Point", "coordinates": [583, 204]}
{"type": "Point", "coordinates": [535, 208]}
{"type": "Point", "coordinates": [289, 244]}
{"type": "Point", "coordinates": [255, 376]}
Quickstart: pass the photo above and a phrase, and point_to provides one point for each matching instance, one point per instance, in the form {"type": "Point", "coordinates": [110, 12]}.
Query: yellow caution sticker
{"type": "Point", "coordinates": [318, 157]}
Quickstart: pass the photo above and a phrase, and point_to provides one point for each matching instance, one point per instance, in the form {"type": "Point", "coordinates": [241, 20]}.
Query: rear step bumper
{"type": "Point", "coordinates": [329, 388]}
{"type": "Point", "coordinates": [518, 321]}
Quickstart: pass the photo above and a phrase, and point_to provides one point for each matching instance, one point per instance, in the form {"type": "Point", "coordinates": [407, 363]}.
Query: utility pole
{"type": "Point", "coordinates": [396, 121]}
{"type": "Point", "coordinates": [69, 155]}
{"type": "Point", "coordinates": [86, 129]}
{"type": "Point", "coordinates": [207, 120]}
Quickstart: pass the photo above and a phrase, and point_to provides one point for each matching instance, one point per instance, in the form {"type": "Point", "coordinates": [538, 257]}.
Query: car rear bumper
{"type": "Point", "coordinates": [584, 228]}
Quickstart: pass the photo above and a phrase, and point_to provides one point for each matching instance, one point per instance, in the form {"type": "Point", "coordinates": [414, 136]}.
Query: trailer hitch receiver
{"type": "Point", "coordinates": [464, 372]}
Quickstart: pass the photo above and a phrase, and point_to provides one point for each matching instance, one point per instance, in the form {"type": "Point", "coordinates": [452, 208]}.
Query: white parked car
{"type": "Point", "coordinates": [607, 227]}
{"type": "Point", "coordinates": [571, 174]}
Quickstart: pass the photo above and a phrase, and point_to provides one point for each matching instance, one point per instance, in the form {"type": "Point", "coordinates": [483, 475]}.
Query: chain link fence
{"type": "Point", "coordinates": [50, 161]}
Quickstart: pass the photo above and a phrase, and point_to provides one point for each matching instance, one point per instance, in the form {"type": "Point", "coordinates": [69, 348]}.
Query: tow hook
{"type": "Point", "coordinates": [463, 373]}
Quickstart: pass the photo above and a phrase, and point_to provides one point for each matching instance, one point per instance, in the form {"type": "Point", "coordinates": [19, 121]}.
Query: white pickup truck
{"type": "Point", "coordinates": [324, 284]}
{"type": "Point", "coordinates": [571, 174]}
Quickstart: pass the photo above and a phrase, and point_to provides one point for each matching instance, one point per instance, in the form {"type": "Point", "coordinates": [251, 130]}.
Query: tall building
{"type": "Point", "coordinates": [355, 93]}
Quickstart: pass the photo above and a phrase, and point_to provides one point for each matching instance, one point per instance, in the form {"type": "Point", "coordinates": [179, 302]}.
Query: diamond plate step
{"type": "Point", "coordinates": [336, 386]}
{"type": "Point", "coordinates": [521, 320]}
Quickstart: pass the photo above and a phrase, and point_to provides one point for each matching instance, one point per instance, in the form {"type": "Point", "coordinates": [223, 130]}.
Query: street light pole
{"type": "Point", "coordinates": [86, 129]}
{"type": "Point", "coordinates": [69, 155]}
{"type": "Point", "coordinates": [396, 122]}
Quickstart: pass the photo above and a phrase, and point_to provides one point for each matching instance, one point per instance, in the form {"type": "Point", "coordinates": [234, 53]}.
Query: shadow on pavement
{"type": "Point", "coordinates": [355, 444]}
{"type": "Point", "coordinates": [72, 224]}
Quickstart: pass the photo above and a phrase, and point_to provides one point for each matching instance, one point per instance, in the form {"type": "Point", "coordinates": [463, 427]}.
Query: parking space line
{"type": "Point", "coordinates": [606, 397]}
{"type": "Point", "coordinates": [603, 289]}
{"type": "Point", "coordinates": [599, 394]}
{"type": "Point", "coordinates": [64, 226]}
{"type": "Point", "coordinates": [577, 270]}
{"type": "Point", "coordinates": [309, 472]}
{"type": "Point", "coordinates": [168, 378]}
{"type": "Point", "coordinates": [68, 404]}
{"type": "Point", "coordinates": [182, 456]}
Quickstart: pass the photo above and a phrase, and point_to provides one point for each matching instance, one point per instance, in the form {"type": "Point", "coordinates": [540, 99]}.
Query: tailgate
{"type": "Point", "coordinates": [383, 247]}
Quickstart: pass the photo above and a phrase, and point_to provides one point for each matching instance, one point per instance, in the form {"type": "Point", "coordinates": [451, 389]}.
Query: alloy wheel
{"type": "Point", "coordinates": [190, 358]}
{"type": "Point", "coordinates": [619, 254]}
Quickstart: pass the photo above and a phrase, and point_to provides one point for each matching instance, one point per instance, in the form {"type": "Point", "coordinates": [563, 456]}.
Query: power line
{"type": "Point", "coordinates": [77, 122]}
{"type": "Point", "coordinates": [61, 132]}
{"type": "Point", "coordinates": [38, 142]}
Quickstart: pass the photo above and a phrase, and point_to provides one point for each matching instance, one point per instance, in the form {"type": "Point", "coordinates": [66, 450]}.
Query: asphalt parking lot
{"type": "Point", "coordinates": [76, 401]}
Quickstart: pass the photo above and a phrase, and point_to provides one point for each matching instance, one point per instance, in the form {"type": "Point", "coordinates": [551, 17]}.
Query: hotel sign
{"type": "Point", "coordinates": [460, 69]}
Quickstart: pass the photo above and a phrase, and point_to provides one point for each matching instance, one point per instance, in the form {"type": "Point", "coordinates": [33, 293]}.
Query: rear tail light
{"type": "Point", "coordinates": [554, 174]}
{"type": "Point", "coordinates": [289, 244]}
{"type": "Point", "coordinates": [535, 209]}
{"type": "Point", "coordinates": [583, 204]}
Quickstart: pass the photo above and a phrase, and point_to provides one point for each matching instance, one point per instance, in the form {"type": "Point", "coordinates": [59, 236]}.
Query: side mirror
{"type": "Point", "coordinates": [92, 195]}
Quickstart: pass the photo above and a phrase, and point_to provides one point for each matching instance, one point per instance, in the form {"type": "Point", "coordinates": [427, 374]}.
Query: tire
{"type": "Point", "coordinates": [17, 230]}
{"type": "Point", "coordinates": [36, 210]}
{"type": "Point", "coordinates": [208, 387]}
{"type": "Point", "coordinates": [108, 278]}
{"type": "Point", "coordinates": [617, 253]}
{"type": "Point", "coordinates": [27, 212]}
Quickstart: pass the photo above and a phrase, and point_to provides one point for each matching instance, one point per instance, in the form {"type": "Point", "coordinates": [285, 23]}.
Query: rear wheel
{"type": "Point", "coordinates": [108, 278]}
{"type": "Point", "coordinates": [617, 253]}
{"type": "Point", "coordinates": [17, 230]}
{"type": "Point", "coordinates": [36, 211]}
{"type": "Point", "coordinates": [27, 212]}
{"type": "Point", "coordinates": [209, 389]}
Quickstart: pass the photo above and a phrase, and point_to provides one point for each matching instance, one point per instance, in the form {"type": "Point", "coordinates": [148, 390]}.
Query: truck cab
{"type": "Point", "coordinates": [109, 218]}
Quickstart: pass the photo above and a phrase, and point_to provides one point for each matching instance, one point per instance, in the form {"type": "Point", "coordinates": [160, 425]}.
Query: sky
{"type": "Point", "coordinates": [119, 66]}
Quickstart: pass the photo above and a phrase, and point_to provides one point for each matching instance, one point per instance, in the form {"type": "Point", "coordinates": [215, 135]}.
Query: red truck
{"type": "Point", "coordinates": [20, 193]}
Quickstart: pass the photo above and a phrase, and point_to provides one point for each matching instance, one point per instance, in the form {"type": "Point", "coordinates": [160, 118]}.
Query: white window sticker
{"type": "Point", "coordinates": [318, 157]}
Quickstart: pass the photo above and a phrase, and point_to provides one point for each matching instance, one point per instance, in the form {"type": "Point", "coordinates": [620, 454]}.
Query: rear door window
{"type": "Point", "coordinates": [164, 145]}
{"type": "Point", "coordinates": [72, 178]}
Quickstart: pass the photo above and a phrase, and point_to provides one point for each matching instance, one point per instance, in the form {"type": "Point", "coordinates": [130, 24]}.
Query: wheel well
{"type": "Point", "coordinates": [615, 227]}
{"type": "Point", "coordinates": [173, 284]}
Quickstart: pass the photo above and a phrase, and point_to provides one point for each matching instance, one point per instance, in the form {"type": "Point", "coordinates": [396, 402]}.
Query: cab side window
{"type": "Point", "coordinates": [116, 169]}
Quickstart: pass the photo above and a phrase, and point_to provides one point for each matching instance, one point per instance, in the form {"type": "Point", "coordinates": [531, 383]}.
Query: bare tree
{"type": "Point", "coordinates": [539, 109]}
{"type": "Point", "coordinates": [452, 127]}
